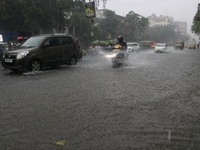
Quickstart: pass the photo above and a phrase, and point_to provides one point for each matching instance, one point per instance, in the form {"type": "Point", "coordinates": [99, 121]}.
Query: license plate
{"type": "Point", "coordinates": [8, 60]}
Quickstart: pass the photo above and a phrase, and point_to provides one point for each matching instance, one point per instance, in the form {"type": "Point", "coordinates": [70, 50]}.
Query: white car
{"type": "Point", "coordinates": [160, 48]}
{"type": "Point", "coordinates": [133, 47]}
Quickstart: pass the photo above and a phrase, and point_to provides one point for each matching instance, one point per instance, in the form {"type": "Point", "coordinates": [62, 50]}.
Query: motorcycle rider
{"type": "Point", "coordinates": [120, 41]}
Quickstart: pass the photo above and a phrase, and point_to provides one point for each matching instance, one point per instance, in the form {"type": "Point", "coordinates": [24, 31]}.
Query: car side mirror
{"type": "Point", "coordinates": [45, 45]}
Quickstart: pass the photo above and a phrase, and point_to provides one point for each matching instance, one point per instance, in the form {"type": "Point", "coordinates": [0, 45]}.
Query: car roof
{"type": "Point", "coordinates": [53, 35]}
{"type": "Point", "coordinates": [161, 44]}
{"type": "Point", "coordinates": [132, 43]}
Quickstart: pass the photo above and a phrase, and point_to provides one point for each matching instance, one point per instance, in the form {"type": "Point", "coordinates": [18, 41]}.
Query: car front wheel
{"type": "Point", "coordinates": [35, 65]}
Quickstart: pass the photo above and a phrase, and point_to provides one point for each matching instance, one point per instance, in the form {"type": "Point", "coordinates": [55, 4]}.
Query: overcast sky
{"type": "Point", "coordinates": [180, 10]}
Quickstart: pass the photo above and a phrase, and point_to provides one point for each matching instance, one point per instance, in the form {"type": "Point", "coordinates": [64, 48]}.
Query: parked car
{"type": "Point", "coordinates": [160, 48]}
{"type": "Point", "coordinates": [133, 47]}
{"type": "Point", "coordinates": [3, 48]}
{"type": "Point", "coordinates": [42, 51]}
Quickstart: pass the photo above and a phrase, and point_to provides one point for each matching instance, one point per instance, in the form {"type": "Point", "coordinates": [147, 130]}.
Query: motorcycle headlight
{"type": "Point", "coordinates": [111, 55]}
{"type": "Point", "coordinates": [22, 54]}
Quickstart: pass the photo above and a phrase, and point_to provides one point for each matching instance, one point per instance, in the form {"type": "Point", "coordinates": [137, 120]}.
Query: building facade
{"type": "Point", "coordinates": [181, 27]}
{"type": "Point", "coordinates": [155, 21]}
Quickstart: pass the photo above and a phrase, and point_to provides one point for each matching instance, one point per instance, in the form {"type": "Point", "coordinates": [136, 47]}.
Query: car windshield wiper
{"type": "Point", "coordinates": [30, 46]}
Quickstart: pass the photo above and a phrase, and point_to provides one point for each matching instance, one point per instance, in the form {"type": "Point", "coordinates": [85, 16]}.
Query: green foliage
{"type": "Point", "coordinates": [135, 25]}
{"type": "Point", "coordinates": [30, 17]}
{"type": "Point", "coordinates": [110, 24]}
{"type": "Point", "coordinates": [130, 26]}
{"type": "Point", "coordinates": [196, 27]}
{"type": "Point", "coordinates": [196, 23]}
{"type": "Point", "coordinates": [25, 16]}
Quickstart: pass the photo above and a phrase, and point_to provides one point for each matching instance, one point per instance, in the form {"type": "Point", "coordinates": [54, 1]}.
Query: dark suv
{"type": "Point", "coordinates": [42, 51]}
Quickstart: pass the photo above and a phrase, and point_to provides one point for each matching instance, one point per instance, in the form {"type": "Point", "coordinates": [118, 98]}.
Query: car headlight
{"type": "Point", "coordinates": [4, 55]}
{"type": "Point", "coordinates": [22, 54]}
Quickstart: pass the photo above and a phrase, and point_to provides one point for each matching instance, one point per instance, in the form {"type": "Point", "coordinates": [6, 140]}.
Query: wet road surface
{"type": "Point", "coordinates": [150, 104]}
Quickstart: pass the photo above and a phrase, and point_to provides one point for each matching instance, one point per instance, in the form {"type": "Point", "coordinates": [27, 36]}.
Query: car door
{"type": "Point", "coordinates": [68, 48]}
{"type": "Point", "coordinates": [51, 50]}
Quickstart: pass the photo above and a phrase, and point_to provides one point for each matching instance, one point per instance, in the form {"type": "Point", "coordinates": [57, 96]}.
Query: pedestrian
{"type": "Point", "coordinates": [20, 41]}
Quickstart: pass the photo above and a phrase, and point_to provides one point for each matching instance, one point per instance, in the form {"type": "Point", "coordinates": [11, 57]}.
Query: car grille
{"type": "Point", "coordinates": [11, 56]}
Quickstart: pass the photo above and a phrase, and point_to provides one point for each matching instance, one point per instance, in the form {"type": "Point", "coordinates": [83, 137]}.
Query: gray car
{"type": "Point", "coordinates": [42, 51]}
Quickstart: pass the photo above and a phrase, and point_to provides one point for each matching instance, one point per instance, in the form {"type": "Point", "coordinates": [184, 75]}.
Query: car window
{"type": "Point", "coordinates": [65, 41]}
{"type": "Point", "coordinates": [130, 44]}
{"type": "Point", "coordinates": [161, 45]}
{"type": "Point", "coordinates": [53, 41]}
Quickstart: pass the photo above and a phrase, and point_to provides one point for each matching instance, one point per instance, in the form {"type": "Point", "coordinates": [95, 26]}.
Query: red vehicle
{"type": "Point", "coordinates": [147, 44]}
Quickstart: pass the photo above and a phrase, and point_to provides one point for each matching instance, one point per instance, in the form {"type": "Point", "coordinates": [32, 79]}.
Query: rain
{"type": "Point", "coordinates": [99, 75]}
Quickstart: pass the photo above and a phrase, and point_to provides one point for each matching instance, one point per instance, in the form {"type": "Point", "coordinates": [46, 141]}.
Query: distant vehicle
{"type": "Point", "coordinates": [179, 44]}
{"type": "Point", "coordinates": [133, 47]}
{"type": "Point", "coordinates": [160, 48]}
{"type": "Point", "coordinates": [42, 51]}
{"type": "Point", "coordinates": [146, 44]}
{"type": "Point", "coordinates": [3, 48]}
{"type": "Point", "coordinates": [192, 46]}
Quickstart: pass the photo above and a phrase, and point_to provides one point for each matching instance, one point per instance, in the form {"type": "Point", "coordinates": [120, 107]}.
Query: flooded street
{"type": "Point", "coordinates": [152, 103]}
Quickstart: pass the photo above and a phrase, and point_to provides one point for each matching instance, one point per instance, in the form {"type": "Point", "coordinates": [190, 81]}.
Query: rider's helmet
{"type": "Point", "coordinates": [120, 38]}
{"type": "Point", "coordinates": [20, 39]}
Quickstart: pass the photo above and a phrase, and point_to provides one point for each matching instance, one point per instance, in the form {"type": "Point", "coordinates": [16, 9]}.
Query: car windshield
{"type": "Point", "coordinates": [32, 42]}
{"type": "Point", "coordinates": [131, 44]}
{"type": "Point", "coordinates": [161, 45]}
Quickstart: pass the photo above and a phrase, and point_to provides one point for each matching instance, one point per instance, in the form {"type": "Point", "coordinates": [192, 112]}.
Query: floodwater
{"type": "Point", "coordinates": [152, 103]}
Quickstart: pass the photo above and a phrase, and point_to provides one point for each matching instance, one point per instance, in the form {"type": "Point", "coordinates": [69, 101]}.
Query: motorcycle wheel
{"type": "Point", "coordinates": [115, 65]}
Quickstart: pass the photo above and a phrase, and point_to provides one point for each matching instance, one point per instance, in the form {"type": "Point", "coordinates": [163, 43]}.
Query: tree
{"type": "Point", "coordinates": [196, 22]}
{"type": "Point", "coordinates": [32, 16]}
{"type": "Point", "coordinates": [135, 25]}
{"type": "Point", "coordinates": [80, 25]}
{"type": "Point", "coordinates": [196, 27]}
{"type": "Point", "coordinates": [110, 26]}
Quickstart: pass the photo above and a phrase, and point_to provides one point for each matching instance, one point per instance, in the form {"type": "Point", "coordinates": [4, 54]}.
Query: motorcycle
{"type": "Point", "coordinates": [119, 56]}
